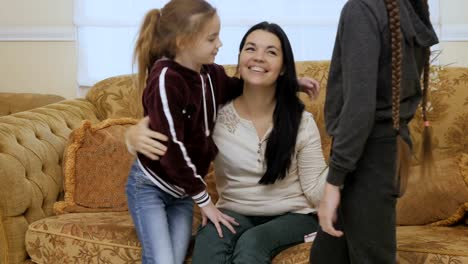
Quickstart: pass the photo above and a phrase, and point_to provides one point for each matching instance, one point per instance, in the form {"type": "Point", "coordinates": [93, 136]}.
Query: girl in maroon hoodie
{"type": "Point", "coordinates": [175, 52]}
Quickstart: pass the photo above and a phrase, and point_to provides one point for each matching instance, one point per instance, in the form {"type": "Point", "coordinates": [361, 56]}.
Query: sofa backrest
{"type": "Point", "coordinates": [448, 114]}
{"type": "Point", "coordinates": [31, 149]}
{"type": "Point", "coordinates": [116, 97]}
{"type": "Point", "coordinates": [11, 103]}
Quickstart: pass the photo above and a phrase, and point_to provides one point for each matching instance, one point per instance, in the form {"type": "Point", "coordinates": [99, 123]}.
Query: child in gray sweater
{"type": "Point", "coordinates": [373, 92]}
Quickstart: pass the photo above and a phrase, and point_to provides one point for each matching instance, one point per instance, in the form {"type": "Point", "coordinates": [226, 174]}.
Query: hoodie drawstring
{"type": "Point", "coordinates": [213, 98]}
{"type": "Point", "coordinates": [207, 129]}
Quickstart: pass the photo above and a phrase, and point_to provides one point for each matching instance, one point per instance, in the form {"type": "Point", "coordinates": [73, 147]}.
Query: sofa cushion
{"type": "Point", "coordinates": [96, 165]}
{"type": "Point", "coordinates": [428, 244]}
{"type": "Point", "coordinates": [110, 237]}
{"type": "Point", "coordinates": [440, 198]}
{"type": "Point", "coordinates": [84, 238]}
{"type": "Point", "coordinates": [107, 237]}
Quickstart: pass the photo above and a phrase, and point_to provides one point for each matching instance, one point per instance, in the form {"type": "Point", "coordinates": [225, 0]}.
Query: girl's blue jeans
{"type": "Point", "coordinates": [163, 222]}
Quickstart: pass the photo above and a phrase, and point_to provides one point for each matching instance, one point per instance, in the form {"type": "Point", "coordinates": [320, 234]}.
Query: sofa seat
{"type": "Point", "coordinates": [430, 244]}
{"type": "Point", "coordinates": [103, 238]}
{"type": "Point", "coordinates": [84, 238]}
{"type": "Point", "coordinates": [110, 238]}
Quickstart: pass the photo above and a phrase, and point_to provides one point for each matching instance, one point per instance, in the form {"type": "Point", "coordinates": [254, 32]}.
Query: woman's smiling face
{"type": "Point", "coordinates": [261, 59]}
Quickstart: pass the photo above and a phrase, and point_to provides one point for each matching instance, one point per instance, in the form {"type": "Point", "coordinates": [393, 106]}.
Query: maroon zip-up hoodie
{"type": "Point", "coordinates": [182, 104]}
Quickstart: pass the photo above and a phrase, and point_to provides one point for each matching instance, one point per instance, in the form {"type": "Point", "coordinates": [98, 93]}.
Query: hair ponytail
{"type": "Point", "coordinates": [146, 53]}
{"type": "Point", "coordinates": [158, 33]}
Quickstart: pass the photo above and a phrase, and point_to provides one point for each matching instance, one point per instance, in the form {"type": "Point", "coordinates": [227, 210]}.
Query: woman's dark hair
{"type": "Point", "coordinates": [288, 110]}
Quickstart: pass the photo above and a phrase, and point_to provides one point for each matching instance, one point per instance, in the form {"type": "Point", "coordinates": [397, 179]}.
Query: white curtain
{"type": "Point", "coordinates": [107, 29]}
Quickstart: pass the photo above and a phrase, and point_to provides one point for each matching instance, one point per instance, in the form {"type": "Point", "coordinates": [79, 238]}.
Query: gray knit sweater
{"type": "Point", "coordinates": [359, 97]}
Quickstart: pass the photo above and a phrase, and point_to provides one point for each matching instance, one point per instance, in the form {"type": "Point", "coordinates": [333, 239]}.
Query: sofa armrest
{"type": "Point", "coordinates": [31, 150]}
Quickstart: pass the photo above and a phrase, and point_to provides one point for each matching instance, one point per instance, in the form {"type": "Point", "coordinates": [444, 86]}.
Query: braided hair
{"type": "Point", "coordinates": [404, 156]}
{"type": "Point", "coordinates": [427, 133]}
{"type": "Point", "coordinates": [393, 9]}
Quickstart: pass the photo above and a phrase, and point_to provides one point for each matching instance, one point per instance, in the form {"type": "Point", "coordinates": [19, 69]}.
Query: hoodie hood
{"type": "Point", "coordinates": [415, 23]}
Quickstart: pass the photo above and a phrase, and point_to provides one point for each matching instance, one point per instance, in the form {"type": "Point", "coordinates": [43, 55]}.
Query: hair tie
{"type": "Point", "coordinates": [427, 124]}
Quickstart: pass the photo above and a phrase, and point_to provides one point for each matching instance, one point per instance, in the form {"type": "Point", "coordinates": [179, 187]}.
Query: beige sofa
{"type": "Point", "coordinates": [31, 180]}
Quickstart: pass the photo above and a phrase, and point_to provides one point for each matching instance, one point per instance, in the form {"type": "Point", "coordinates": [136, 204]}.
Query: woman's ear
{"type": "Point", "coordinates": [237, 68]}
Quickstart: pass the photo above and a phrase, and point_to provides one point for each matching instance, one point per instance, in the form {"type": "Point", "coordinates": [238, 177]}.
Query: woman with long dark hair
{"type": "Point", "coordinates": [374, 88]}
{"type": "Point", "coordinates": [270, 159]}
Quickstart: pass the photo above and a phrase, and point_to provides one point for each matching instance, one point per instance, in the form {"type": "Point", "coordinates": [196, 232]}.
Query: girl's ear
{"type": "Point", "coordinates": [179, 42]}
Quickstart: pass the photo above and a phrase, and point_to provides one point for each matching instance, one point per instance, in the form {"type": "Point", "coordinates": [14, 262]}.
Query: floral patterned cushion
{"type": "Point", "coordinates": [107, 238]}
{"type": "Point", "coordinates": [432, 245]}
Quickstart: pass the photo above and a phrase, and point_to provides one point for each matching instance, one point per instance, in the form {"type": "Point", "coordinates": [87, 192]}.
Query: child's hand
{"type": "Point", "coordinates": [309, 86]}
{"type": "Point", "coordinates": [327, 210]}
{"type": "Point", "coordinates": [211, 212]}
{"type": "Point", "coordinates": [140, 138]}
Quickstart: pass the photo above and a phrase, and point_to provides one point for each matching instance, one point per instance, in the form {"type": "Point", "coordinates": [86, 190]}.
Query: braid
{"type": "Point", "coordinates": [403, 157]}
{"type": "Point", "coordinates": [427, 157]}
{"type": "Point", "coordinates": [393, 10]}
{"type": "Point", "coordinates": [425, 85]}
{"type": "Point", "coordinates": [426, 73]}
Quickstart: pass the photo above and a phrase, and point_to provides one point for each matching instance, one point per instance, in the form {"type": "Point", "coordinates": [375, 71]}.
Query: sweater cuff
{"type": "Point", "coordinates": [336, 176]}
{"type": "Point", "coordinates": [202, 199]}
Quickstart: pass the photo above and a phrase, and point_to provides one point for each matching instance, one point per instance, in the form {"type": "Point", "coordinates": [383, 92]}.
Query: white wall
{"type": "Point", "coordinates": [32, 66]}
{"type": "Point", "coordinates": [454, 44]}
{"type": "Point", "coordinates": [49, 66]}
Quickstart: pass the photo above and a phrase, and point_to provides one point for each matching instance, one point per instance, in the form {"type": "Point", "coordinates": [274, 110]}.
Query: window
{"type": "Point", "coordinates": [107, 29]}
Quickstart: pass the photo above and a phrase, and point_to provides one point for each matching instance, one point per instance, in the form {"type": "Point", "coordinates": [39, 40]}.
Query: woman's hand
{"type": "Point", "coordinates": [216, 217]}
{"type": "Point", "coordinates": [309, 86]}
{"type": "Point", "coordinates": [140, 138]}
{"type": "Point", "coordinates": [327, 209]}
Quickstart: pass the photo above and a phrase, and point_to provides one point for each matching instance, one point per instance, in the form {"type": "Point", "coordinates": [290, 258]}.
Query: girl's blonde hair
{"type": "Point", "coordinates": [163, 30]}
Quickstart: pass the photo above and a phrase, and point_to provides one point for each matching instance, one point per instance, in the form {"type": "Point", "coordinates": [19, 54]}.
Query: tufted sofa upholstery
{"type": "Point", "coordinates": [31, 147]}
{"type": "Point", "coordinates": [31, 152]}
